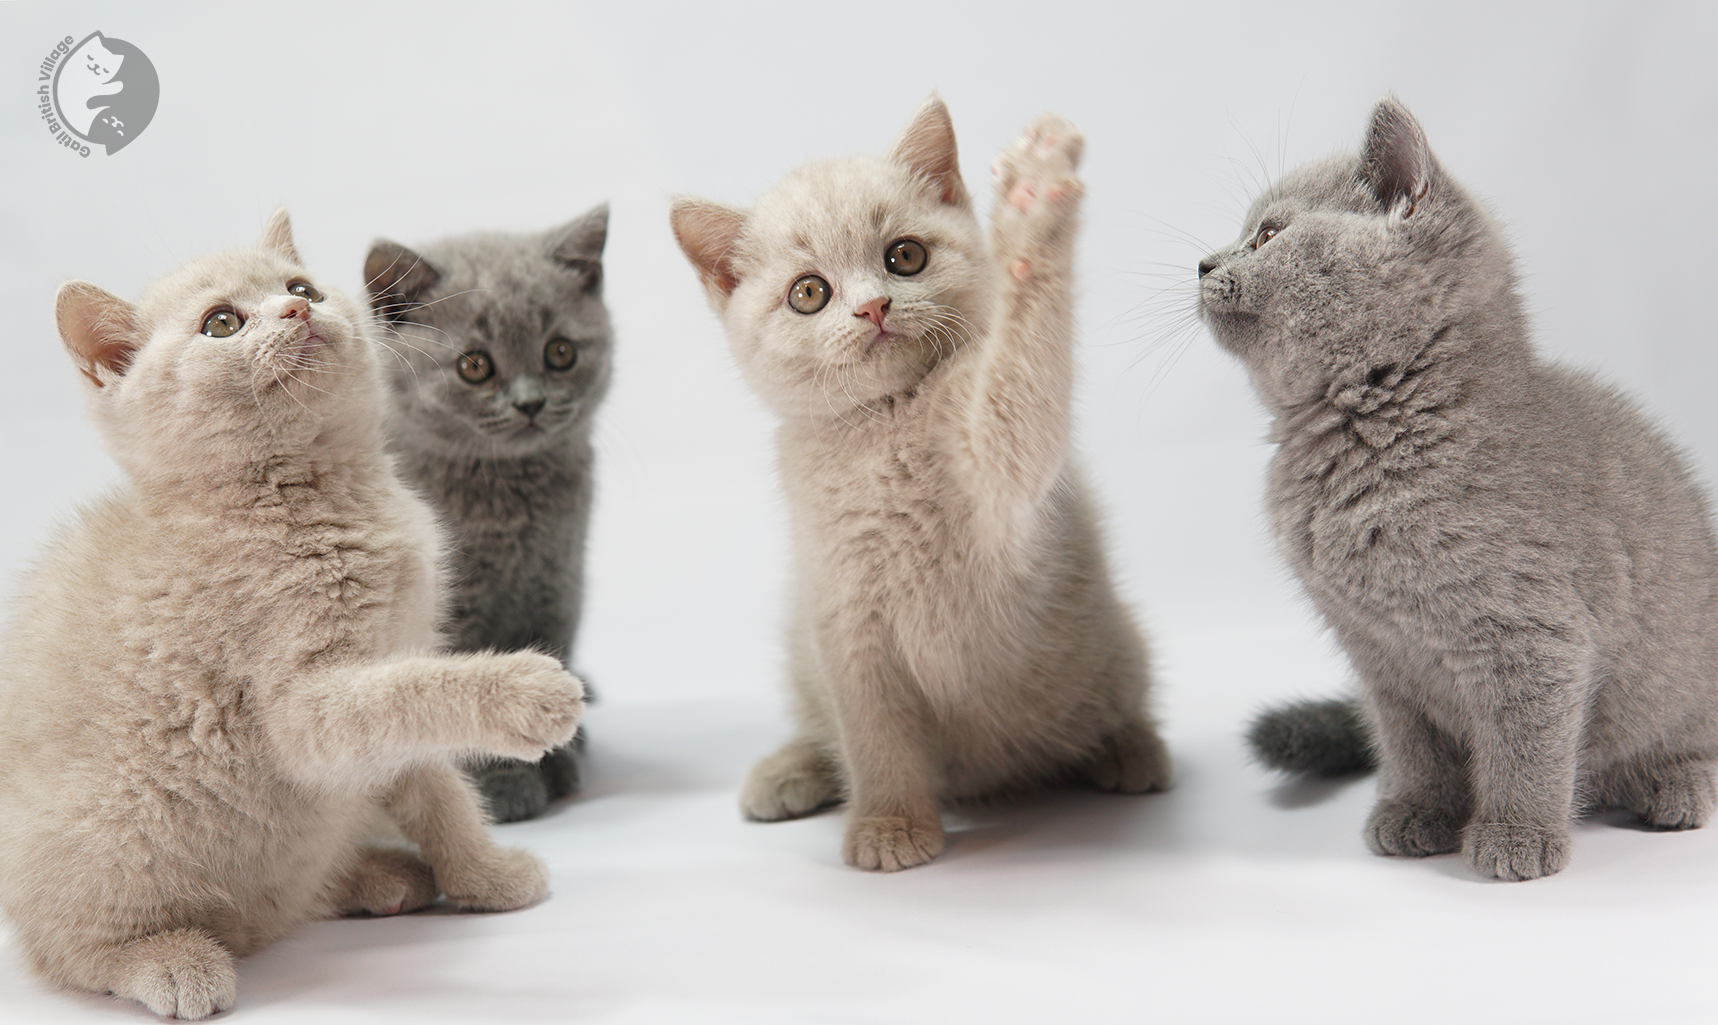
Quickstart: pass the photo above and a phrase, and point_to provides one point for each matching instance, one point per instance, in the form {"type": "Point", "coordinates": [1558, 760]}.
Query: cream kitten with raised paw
{"type": "Point", "coordinates": [956, 633]}
{"type": "Point", "coordinates": [218, 674]}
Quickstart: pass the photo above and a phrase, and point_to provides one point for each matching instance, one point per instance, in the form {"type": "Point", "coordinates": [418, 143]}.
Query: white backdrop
{"type": "Point", "coordinates": [1590, 127]}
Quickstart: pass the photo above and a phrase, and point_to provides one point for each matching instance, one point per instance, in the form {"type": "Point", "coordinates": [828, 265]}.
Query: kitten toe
{"type": "Point", "coordinates": [506, 879]}
{"type": "Point", "coordinates": [536, 705]}
{"type": "Point", "coordinates": [1132, 762]}
{"type": "Point", "coordinates": [184, 974]}
{"type": "Point", "coordinates": [797, 781]}
{"type": "Point", "coordinates": [889, 843]}
{"type": "Point", "coordinates": [1400, 829]}
{"type": "Point", "coordinates": [1512, 852]}
{"type": "Point", "coordinates": [385, 881]}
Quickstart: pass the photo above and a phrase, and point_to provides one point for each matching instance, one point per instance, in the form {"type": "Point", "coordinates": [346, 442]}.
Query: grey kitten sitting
{"type": "Point", "coordinates": [502, 347]}
{"type": "Point", "coordinates": [1515, 559]}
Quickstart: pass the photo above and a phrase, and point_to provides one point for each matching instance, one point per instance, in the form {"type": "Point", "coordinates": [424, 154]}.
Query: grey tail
{"type": "Point", "coordinates": [1316, 738]}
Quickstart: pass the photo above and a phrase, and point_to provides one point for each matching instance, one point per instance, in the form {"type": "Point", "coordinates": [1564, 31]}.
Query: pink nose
{"type": "Point", "coordinates": [873, 310]}
{"type": "Point", "coordinates": [296, 306]}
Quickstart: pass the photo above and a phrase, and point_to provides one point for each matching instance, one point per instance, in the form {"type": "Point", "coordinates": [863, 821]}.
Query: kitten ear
{"type": "Point", "coordinates": [707, 232]}
{"type": "Point", "coordinates": [927, 147]}
{"type": "Point", "coordinates": [99, 329]}
{"type": "Point", "coordinates": [579, 245]}
{"type": "Point", "coordinates": [396, 277]}
{"type": "Point", "coordinates": [1396, 162]}
{"type": "Point", "coordinates": [277, 235]}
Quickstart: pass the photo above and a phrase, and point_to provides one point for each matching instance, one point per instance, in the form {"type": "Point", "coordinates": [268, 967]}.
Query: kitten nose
{"type": "Point", "coordinates": [873, 310]}
{"type": "Point", "coordinates": [531, 408]}
{"type": "Point", "coordinates": [1206, 266]}
{"type": "Point", "coordinates": [296, 306]}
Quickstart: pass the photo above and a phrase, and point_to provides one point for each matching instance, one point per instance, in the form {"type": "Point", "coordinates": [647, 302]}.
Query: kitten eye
{"type": "Point", "coordinates": [560, 354]}
{"type": "Point", "coordinates": [476, 367]}
{"type": "Point", "coordinates": [809, 294]}
{"type": "Point", "coordinates": [222, 323]}
{"type": "Point", "coordinates": [1266, 233]}
{"type": "Point", "coordinates": [905, 257]}
{"type": "Point", "coordinates": [305, 289]}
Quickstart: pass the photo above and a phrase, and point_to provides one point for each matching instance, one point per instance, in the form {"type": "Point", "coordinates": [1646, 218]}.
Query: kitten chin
{"type": "Point", "coordinates": [1515, 559]}
{"type": "Point", "coordinates": [955, 635]}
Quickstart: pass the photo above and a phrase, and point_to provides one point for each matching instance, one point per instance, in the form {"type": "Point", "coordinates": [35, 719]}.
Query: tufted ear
{"type": "Point", "coordinates": [277, 235]}
{"type": "Point", "coordinates": [396, 278]}
{"type": "Point", "coordinates": [1396, 162]}
{"type": "Point", "coordinates": [707, 233]}
{"type": "Point", "coordinates": [99, 330]}
{"type": "Point", "coordinates": [927, 147]}
{"type": "Point", "coordinates": [579, 244]}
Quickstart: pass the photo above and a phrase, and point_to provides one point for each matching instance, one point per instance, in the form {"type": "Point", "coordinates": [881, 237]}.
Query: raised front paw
{"type": "Point", "coordinates": [532, 704]}
{"type": "Point", "coordinates": [1412, 831]}
{"type": "Point", "coordinates": [1037, 196]}
{"type": "Point", "coordinates": [502, 879]}
{"type": "Point", "coordinates": [889, 843]}
{"type": "Point", "coordinates": [1504, 850]}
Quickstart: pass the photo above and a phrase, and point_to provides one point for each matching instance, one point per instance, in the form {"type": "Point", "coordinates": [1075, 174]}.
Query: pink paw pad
{"type": "Point", "coordinates": [1020, 270]}
{"type": "Point", "coordinates": [1022, 196]}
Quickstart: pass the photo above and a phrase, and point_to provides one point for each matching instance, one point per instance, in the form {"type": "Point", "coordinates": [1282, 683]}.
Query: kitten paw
{"type": "Point", "coordinates": [1680, 798]}
{"type": "Point", "coordinates": [1037, 195]}
{"type": "Point", "coordinates": [385, 881]}
{"type": "Point", "coordinates": [533, 705]}
{"type": "Point", "coordinates": [1412, 831]}
{"type": "Point", "coordinates": [511, 790]}
{"type": "Point", "coordinates": [183, 974]}
{"type": "Point", "coordinates": [505, 879]}
{"type": "Point", "coordinates": [1133, 761]}
{"type": "Point", "coordinates": [796, 781]}
{"type": "Point", "coordinates": [1504, 850]}
{"type": "Point", "coordinates": [889, 843]}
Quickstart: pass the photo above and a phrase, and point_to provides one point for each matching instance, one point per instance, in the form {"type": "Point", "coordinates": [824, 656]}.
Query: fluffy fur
{"type": "Point", "coordinates": [1515, 559]}
{"type": "Point", "coordinates": [506, 459]}
{"type": "Point", "coordinates": [955, 633]}
{"type": "Point", "coordinates": [218, 674]}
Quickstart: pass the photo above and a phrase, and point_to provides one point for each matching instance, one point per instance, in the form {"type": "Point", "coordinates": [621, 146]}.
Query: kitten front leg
{"type": "Point", "coordinates": [352, 726]}
{"type": "Point", "coordinates": [1524, 754]}
{"type": "Point", "coordinates": [438, 810]}
{"type": "Point", "coordinates": [1016, 404]}
{"type": "Point", "coordinates": [895, 817]}
{"type": "Point", "coordinates": [1423, 793]}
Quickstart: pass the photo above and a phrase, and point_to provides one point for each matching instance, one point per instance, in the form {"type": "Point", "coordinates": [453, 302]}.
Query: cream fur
{"type": "Point", "coordinates": [955, 631]}
{"type": "Point", "coordinates": [218, 674]}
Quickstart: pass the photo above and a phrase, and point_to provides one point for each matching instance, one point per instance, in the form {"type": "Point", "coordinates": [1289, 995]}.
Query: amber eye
{"type": "Point", "coordinates": [559, 354]}
{"type": "Point", "coordinates": [222, 323]}
{"type": "Point", "coordinates": [305, 289]}
{"type": "Point", "coordinates": [1266, 233]}
{"type": "Point", "coordinates": [809, 294]}
{"type": "Point", "coordinates": [905, 257]}
{"type": "Point", "coordinates": [476, 367]}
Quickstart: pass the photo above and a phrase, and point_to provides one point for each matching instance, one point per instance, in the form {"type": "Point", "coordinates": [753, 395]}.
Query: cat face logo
{"type": "Point", "coordinates": [105, 92]}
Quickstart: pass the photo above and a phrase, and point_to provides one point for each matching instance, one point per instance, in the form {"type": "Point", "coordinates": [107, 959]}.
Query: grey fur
{"type": "Point", "coordinates": [1325, 738]}
{"type": "Point", "coordinates": [1515, 559]}
{"type": "Point", "coordinates": [515, 488]}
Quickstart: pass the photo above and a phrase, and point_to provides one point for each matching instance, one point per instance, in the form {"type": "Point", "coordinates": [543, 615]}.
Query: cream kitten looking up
{"type": "Point", "coordinates": [955, 633]}
{"type": "Point", "coordinates": [218, 673]}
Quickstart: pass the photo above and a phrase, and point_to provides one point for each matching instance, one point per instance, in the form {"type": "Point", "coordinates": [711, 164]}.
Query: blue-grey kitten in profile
{"type": "Point", "coordinates": [501, 356]}
{"type": "Point", "coordinates": [1515, 559]}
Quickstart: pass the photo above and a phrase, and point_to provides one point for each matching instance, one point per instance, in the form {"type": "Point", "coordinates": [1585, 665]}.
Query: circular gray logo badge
{"type": "Point", "coordinates": [105, 92]}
